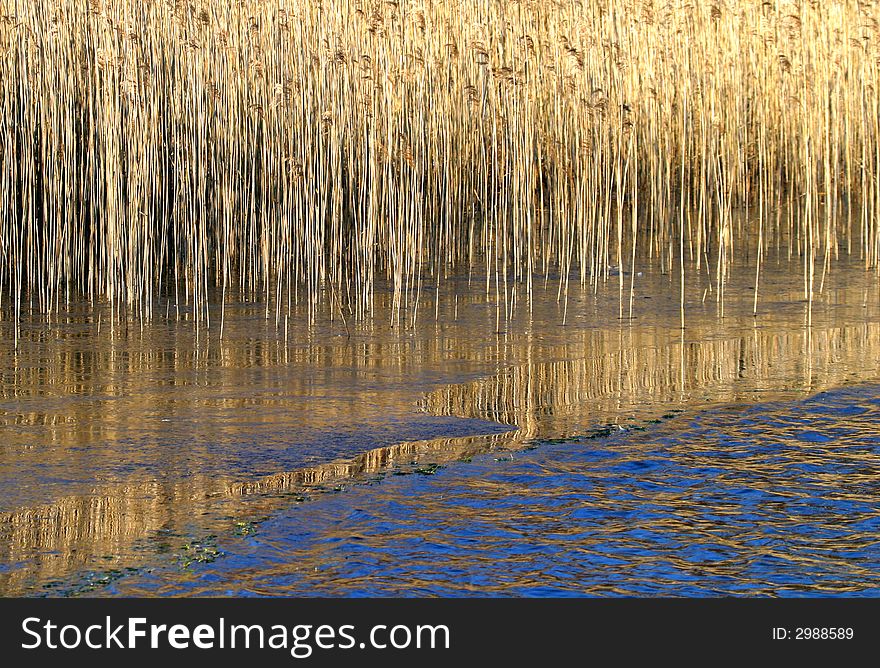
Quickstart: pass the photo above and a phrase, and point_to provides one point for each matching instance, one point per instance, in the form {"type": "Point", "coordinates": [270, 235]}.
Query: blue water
{"type": "Point", "coordinates": [778, 499]}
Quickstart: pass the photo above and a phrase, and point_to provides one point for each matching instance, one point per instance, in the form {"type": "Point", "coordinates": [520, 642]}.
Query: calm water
{"type": "Point", "coordinates": [468, 454]}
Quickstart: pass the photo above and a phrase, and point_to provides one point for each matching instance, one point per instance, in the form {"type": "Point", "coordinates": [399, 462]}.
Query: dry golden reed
{"type": "Point", "coordinates": [295, 150]}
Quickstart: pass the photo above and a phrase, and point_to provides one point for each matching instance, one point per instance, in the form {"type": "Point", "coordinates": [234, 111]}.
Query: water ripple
{"type": "Point", "coordinates": [776, 499]}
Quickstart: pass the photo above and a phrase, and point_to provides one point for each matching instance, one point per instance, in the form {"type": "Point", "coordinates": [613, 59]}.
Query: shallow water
{"type": "Point", "coordinates": [765, 499]}
{"type": "Point", "coordinates": [158, 458]}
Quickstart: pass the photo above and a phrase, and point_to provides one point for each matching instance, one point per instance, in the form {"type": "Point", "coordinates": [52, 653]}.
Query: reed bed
{"type": "Point", "coordinates": [304, 150]}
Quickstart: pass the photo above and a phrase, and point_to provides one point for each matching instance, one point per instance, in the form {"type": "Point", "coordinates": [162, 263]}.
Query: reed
{"type": "Point", "coordinates": [291, 151]}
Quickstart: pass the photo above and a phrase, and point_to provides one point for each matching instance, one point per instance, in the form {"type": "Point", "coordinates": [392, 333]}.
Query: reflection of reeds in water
{"type": "Point", "coordinates": [627, 374]}
{"type": "Point", "coordinates": [112, 528]}
{"type": "Point", "coordinates": [625, 371]}
{"type": "Point", "coordinates": [279, 148]}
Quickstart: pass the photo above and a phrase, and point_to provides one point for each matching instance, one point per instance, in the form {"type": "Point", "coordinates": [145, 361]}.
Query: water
{"type": "Point", "coordinates": [467, 454]}
{"type": "Point", "coordinates": [769, 499]}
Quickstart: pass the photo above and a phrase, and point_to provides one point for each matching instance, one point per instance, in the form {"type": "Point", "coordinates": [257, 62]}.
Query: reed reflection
{"type": "Point", "coordinates": [121, 443]}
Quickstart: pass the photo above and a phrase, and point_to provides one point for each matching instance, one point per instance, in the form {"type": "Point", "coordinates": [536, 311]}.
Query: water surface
{"type": "Point", "coordinates": [779, 498]}
{"type": "Point", "coordinates": [157, 457]}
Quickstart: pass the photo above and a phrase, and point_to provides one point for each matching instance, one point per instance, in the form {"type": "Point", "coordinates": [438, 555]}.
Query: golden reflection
{"type": "Point", "coordinates": [119, 441]}
{"type": "Point", "coordinates": [623, 374]}
{"type": "Point", "coordinates": [106, 531]}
